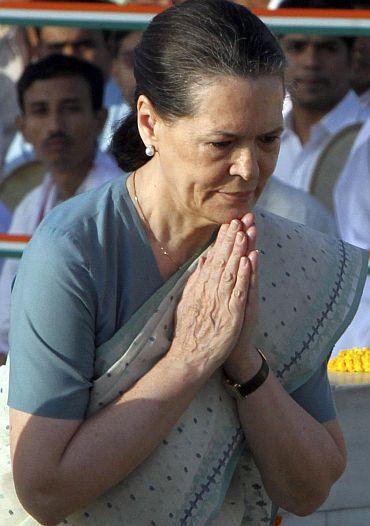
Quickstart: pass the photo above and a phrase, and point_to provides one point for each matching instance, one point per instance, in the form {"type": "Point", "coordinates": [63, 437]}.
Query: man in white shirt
{"type": "Point", "coordinates": [318, 79]}
{"type": "Point", "coordinates": [62, 116]}
{"type": "Point", "coordinates": [352, 204]}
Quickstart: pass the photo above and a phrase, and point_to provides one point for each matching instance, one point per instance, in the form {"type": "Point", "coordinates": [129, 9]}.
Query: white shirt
{"type": "Point", "coordinates": [296, 161]}
{"type": "Point", "coordinates": [28, 215]}
{"type": "Point", "coordinates": [352, 193]}
{"type": "Point", "coordinates": [352, 205]}
{"type": "Point", "coordinates": [5, 217]}
{"type": "Point", "coordinates": [365, 98]}
{"type": "Point", "coordinates": [296, 205]}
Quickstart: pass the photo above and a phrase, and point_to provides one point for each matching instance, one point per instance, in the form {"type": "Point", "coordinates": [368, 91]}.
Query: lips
{"type": "Point", "coordinates": [57, 142]}
{"type": "Point", "coordinates": [237, 196]}
{"type": "Point", "coordinates": [313, 81]}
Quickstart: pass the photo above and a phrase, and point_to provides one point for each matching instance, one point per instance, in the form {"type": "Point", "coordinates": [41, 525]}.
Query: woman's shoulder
{"type": "Point", "coordinates": [88, 215]}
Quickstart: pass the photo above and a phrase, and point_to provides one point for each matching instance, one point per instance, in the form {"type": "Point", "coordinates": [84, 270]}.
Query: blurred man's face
{"type": "Point", "coordinates": [123, 65]}
{"type": "Point", "coordinates": [360, 72]}
{"type": "Point", "coordinates": [318, 74]}
{"type": "Point", "coordinates": [88, 44]}
{"type": "Point", "coordinates": [60, 123]}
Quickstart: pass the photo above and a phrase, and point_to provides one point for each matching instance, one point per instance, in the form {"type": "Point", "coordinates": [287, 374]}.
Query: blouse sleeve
{"type": "Point", "coordinates": [315, 396]}
{"type": "Point", "coordinates": [52, 332]}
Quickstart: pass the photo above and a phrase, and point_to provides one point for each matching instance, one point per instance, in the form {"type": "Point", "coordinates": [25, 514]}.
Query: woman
{"type": "Point", "coordinates": [118, 408]}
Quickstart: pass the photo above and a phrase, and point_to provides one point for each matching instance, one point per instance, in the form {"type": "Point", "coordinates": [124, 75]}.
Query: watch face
{"type": "Point", "coordinates": [233, 390]}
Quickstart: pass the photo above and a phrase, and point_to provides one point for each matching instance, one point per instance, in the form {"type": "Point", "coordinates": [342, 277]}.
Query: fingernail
{"type": "Point", "coordinates": [234, 224]}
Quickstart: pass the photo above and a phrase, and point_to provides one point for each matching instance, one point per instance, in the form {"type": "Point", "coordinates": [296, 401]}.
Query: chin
{"type": "Point", "coordinates": [226, 216]}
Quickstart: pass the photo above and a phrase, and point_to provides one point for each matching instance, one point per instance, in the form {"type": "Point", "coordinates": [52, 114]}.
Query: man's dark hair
{"type": "Point", "coordinates": [321, 4]}
{"type": "Point", "coordinates": [186, 46]}
{"type": "Point", "coordinates": [316, 4]}
{"type": "Point", "coordinates": [54, 66]}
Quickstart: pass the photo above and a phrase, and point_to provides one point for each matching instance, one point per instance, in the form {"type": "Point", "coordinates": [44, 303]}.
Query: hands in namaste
{"type": "Point", "coordinates": [218, 308]}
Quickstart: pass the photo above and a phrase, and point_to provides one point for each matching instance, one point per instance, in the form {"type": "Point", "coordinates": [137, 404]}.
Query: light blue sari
{"type": "Point", "coordinates": [202, 473]}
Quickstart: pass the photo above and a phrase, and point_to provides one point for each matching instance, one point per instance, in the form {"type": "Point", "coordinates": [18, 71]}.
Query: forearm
{"type": "Point", "coordinates": [108, 446]}
{"type": "Point", "coordinates": [296, 455]}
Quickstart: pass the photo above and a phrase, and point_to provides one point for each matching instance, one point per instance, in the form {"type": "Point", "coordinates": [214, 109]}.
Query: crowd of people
{"type": "Point", "coordinates": [149, 123]}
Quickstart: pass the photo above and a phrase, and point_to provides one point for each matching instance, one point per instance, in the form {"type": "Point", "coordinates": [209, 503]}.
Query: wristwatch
{"type": "Point", "coordinates": [242, 391]}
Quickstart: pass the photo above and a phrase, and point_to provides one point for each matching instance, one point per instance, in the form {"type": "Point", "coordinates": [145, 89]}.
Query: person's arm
{"type": "Point", "coordinates": [61, 465]}
{"type": "Point", "coordinates": [298, 457]}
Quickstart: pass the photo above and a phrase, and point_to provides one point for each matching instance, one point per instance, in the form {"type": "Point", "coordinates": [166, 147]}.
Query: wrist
{"type": "Point", "coordinates": [245, 367]}
{"type": "Point", "coordinates": [242, 389]}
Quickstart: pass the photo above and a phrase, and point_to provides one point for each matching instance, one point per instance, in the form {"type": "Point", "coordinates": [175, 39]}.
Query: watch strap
{"type": "Point", "coordinates": [241, 391]}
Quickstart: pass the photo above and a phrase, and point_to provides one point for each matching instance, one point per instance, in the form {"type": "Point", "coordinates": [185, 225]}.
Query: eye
{"type": "Point", "coordinates": [220, 145]}
{"type": "Point", "coordinates": [330, 47]}
{"type": "Point", "coordinates": [38, 111]}
{"type": "Point", "coordinates": [270, 139]}
{"type": "Point", "coordinates": [295, 46]}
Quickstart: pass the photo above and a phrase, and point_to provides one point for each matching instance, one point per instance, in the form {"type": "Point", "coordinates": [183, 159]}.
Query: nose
{"type": "Point", "coordinates": [245, 163]}
{"type": "Point", "coordinates": [310, 57]}
{"type": "Point", "coordinates": [55, 121]}
{"type": "Point", "coordinates": [69, 49]}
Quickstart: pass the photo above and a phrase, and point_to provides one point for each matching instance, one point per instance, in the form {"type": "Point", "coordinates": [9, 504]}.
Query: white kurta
{"type": "Point", "coordinates": [296, 161]}
{"type": "Point", "coordinates": [352, 204]}
{"type": "Point", "coordinates": [296, 205]}
{"type": "Point", "coordinates": [28, 215]}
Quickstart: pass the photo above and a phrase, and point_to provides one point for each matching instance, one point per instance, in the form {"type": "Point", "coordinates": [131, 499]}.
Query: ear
{"type": "Point", "coordinates": [147, 121]}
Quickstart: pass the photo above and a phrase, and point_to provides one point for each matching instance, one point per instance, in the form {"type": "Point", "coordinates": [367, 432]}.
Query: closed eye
{"type": "Point", "coordinates": [270, 139]}
{"type": "Point", "coordinates": [220, 144]}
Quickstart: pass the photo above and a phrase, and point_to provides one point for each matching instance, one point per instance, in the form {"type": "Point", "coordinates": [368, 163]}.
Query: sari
{"type": "Point", "coordinates": [203, 472]}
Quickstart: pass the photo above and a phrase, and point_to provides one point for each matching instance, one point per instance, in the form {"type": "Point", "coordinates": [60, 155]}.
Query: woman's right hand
{"type": "Point", "coordinates": [211, 311]}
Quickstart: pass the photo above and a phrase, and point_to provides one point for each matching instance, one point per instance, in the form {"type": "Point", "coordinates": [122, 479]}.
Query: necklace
{"type": "Point", "coordinates": [163, 250]}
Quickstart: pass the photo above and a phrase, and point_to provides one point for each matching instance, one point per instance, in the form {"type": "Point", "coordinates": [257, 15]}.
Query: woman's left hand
{"type": "Point", "coordinates": [244, 360]}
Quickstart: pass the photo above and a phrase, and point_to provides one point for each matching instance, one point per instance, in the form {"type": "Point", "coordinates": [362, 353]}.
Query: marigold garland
{"type": "Point", "coordinates": [356, 360]}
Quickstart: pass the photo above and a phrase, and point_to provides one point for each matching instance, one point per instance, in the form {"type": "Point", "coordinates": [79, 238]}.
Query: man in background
{"type": "Point", "coordinates": [91, 45]}
{"type": "Point", "coordinates": [318, 80]}
{"type": "Point", "coordinates": [62, 115]}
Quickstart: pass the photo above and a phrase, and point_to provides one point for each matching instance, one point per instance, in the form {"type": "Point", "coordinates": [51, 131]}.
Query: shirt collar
{"type": "Point", "coordinates": [346, 112]}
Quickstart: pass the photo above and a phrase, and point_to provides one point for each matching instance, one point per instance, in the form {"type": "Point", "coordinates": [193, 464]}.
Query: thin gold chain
{"type": "Point", "coordinates": [163, 250]}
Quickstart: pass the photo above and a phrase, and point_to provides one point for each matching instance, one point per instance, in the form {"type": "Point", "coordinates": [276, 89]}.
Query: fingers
{"type": "Point", "coordinates": [247, 220]}
{"type": "Point", "coordinates": [239, 295]}
{"type": "Point", "coordinates": [224, 246]}
{"type": "Point", "coordinates": [229, 275]}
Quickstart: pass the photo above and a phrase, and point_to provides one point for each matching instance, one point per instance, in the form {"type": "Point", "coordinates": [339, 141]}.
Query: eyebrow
{"type": "Point", "coordinates": [303, 39]}
{"type": "Point", "coordinates": [45, 101]}
{"type": "Point", "coordinates": [224, 133]}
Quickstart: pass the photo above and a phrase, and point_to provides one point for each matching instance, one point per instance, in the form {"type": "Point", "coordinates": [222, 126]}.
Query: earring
{"type": "Point", "coordinates": [149, 150]}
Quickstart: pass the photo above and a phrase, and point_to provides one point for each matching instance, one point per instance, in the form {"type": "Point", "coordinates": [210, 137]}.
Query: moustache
{"type": "Point", "coordinates": [59, 136]}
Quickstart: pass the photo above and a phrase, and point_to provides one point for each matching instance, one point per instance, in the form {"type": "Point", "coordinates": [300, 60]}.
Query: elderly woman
{"type": "Point", "coordinates": [143, 391]}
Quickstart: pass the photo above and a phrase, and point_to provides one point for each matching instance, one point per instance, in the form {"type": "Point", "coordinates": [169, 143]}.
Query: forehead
{"type": "Point", "coordinates": [58, 89]}
{"type": "Point", "coordinates": [312, 39]}
{"type": "Point", "coordinates": [239, 104]}
{"type": "Point", "coordinates": [130, 41]}
{"type": "Point", "coordinates": [55, 34]}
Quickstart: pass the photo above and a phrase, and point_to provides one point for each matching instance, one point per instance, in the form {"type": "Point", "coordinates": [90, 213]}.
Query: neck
{"type": "Point", "coordinates": [68, 179]}
{"type": "Point", "coordinates": [303, 120]}
{"type": "Point", "coordinates": [180, 233]}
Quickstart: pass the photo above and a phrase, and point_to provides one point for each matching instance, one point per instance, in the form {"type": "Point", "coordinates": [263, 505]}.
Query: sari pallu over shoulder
{"type": "Point", "coordinates": [310, 286]}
